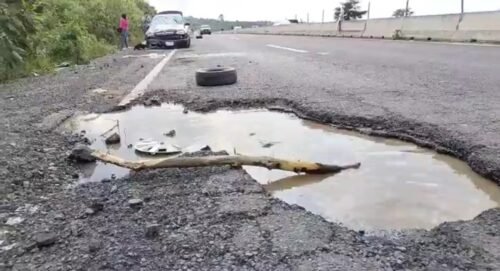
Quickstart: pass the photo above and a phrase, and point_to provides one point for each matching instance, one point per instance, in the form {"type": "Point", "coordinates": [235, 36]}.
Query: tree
{"type": "Point", "coordinates": [37, 35]}
{"type": "Point", "coordinates": [352, 10]}
{"type": "Point", "coordinates": [402, 12]}
{"type": "Point", "coordinates": [16, 23]}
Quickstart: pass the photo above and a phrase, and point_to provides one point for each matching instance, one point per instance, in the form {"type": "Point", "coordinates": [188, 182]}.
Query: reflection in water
{"type": "Point", "coordinates": [294, 182]}
{"type": "Point", "coordinates": [398, 186]}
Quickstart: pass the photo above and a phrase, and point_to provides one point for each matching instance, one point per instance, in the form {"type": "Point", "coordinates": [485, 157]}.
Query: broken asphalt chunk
{"type": "Point", "coordinates": [82, 154]}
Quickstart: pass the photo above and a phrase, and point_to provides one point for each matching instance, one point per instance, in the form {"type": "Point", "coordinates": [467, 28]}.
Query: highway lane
{"type": "Point", "coordinates": [446, 86]}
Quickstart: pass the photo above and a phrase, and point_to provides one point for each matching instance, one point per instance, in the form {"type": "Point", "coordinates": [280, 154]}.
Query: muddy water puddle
{"type": "Point", "coordinates": [398, 186]}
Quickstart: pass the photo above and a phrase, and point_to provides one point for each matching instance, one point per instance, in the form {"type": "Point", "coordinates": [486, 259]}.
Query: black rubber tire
{"type": "Point", "coordinates": [216, 77]}
{"type": "Point", "coordinates": [185, 44]}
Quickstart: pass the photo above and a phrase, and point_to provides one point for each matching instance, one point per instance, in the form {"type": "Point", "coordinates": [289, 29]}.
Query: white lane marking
{"type": "Point", "coordinates": [229, 54]}
{"type": "Point", "coordinates": [151, 55]}
{"type": "Point", "coordinates": [235, 38]}
{"type": "Point", "coordinates": [288, 49]}
{"type": "Point", "coordinates": [323, 53]}
{"type": "Point", "coordinates": [143, 85]}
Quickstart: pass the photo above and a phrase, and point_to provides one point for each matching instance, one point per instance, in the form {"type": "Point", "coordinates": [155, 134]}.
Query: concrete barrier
{"type": "Point", "coordinates": [382, 28]}
{"type": "Point", "coordinates": [484, 21]}
{"type": "Point", "coordinates": [353, 26]}
{"type": "Point", "coordinates": [478, 26]}
{"type": "Point", "coordinates": [437, 27]}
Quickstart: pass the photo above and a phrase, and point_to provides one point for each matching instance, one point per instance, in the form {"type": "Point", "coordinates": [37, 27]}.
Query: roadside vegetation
{"type": "Point", "coordinates": [351, 10]}
{"type": "Point", "coordinates": [402, 12]}
{"type": "Point", "coordinates": [38, 35]}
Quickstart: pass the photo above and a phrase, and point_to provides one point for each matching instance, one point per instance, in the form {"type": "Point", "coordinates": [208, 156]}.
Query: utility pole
{"type": "Point", "coordinates": [341, 18]}
{"type": "Point", "coordinates": [461, 14]}
{"type": "Point", "coordinates": [407, 10]}
{"type": "Point", "coordinates": [308, 17]}
{"type": "Point", "coordinates": [367, 15]}
{"type": "Point", "coordinates": [323, 17]}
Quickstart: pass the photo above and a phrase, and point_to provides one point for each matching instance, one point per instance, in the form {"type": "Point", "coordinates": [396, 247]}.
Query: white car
{"type": "Point", "coordinates": [168, 29]}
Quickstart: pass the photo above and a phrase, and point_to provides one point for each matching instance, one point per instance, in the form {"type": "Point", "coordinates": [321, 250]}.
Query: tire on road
{"type": "Point", "coordinates": [216, 77]}
{"type": "Point", "coordinates": [186, 44]}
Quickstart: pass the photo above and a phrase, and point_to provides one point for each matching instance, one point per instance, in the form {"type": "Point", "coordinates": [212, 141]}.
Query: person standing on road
{"type": "Point", "coordinates": [123, 29]}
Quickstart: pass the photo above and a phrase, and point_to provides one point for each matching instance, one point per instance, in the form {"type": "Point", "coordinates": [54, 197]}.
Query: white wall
{"type": "Point", "coordinates": [481, 26]}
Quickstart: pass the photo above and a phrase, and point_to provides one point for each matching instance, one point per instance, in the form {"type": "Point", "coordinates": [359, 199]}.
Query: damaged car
{"type": "Point", "coordinates": [168, 30]}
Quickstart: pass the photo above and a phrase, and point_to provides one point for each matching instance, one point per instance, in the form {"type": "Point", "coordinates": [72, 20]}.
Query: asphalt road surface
{"type": "Point", "coordinates": [443, 96]}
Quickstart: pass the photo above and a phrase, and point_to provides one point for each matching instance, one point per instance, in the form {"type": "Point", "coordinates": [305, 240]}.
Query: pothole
{"type": "Point", "coordinates": [399, 185]}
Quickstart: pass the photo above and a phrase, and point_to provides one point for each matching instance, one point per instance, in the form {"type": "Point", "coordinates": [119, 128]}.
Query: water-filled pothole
{"type": "Point", "coordinates": [398, 186]}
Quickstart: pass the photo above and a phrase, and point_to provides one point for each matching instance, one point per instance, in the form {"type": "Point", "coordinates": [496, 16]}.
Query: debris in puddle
{"type": "Point", "coordinates": [238, 160]}
{"type": "Point", "coordinates": [155, 147]}
{"type": "Point", "coordinates": [115, 126]}
{"type": "Point", "coordinates": [196, 148]}
{"type": "Point", "coordinates": [391, 191]}
{"type": "Point", "coordinates": [82, 154]}
{"type": "Point", "coordinates": [171, 133]}
{"type": "Point", "coordinates": [267, 145]}
{"type": "Point", "coordinates": [113, 139]}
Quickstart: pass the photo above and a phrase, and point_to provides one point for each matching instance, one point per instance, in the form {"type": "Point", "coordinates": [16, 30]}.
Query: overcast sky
{"type": "Point", "coordinates": [277, 10]}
